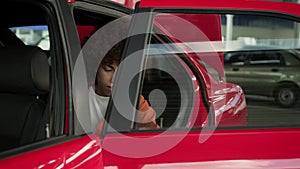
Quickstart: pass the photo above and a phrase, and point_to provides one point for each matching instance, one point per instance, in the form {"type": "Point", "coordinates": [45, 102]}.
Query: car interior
{"type": "Point", "coordinates": [25, 82]}
{"type": "Point", "coordinates": [25, 85]}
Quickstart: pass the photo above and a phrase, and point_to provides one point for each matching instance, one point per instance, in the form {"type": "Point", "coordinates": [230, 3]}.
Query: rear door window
{"type": "Point", "coordinates": [231, 39]}
{"type": "Point", "coordinates": [37, 35]}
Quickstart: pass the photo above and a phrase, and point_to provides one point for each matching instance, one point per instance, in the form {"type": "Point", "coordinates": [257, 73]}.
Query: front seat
{"type": "Point", "coordinates": [9, 38]}
{"type": "Point", "coordinates": [24, 77]}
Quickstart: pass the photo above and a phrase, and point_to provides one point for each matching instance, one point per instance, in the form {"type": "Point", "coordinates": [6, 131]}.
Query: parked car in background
{"type": "Point", "coordinates": [174, 56]}
{"type": "Point", "coordinates": [276, 72]}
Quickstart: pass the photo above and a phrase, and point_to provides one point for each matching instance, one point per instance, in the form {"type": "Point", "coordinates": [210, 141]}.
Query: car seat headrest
{"type": "Point", "coordinates": [8, 38]}
{"type": "Point", "coordinates": [24, 70]}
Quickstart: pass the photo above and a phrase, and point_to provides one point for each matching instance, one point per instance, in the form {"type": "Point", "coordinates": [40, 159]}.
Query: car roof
{"type": "Point", "coordinates": [23, 13]}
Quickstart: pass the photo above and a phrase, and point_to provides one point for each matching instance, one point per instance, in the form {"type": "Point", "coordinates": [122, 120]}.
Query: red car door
{"type": "Point", "coordinates": [56, 145]}
{"type": "Point", "coordinates": [265, 142]}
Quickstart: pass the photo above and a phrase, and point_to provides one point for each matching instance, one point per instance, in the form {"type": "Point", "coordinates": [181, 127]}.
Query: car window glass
{"type": "Point", "coordinates": [270, 56]}
{"type": "Point", "coordinates": [37, 35]}
{"type": "Point", "coordinates": [235, 58]}
{"type": "Point", "coordinates": [233, 40]}
{"type": "Point", "coordinates": [264, 58]}
{"type": "Point", "coordinates": [211, 71]}
{"type": "Point", "coordinates": [166, 77]}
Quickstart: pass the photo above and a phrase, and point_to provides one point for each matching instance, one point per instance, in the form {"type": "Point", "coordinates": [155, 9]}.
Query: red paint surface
{"type": "Point", "coordinates": [84, 152]}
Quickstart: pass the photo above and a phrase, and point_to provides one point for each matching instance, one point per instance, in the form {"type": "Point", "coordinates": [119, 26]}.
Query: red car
{"type": "Point", "coordinates": [173, 57]}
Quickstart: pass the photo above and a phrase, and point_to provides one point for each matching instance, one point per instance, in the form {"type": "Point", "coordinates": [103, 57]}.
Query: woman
{"type": "Point", "coordinates": [100, 92]}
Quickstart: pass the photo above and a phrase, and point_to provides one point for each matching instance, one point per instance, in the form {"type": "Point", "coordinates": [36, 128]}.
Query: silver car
{"type": "Point", "coordinates": [271, 73]}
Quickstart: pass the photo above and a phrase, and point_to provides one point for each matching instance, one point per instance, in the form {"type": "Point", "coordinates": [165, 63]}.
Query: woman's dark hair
{"type": "Point", "coordinates": [113, 55]}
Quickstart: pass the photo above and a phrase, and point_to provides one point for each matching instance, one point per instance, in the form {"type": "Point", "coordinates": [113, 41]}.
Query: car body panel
{"type": "Point", "coordinates": [264, 145]}
{"type": "Point", "coordinates": [221, 93]}
{"type": "Point", "coordinates": [84, 152]}
{"type": "Point", "coordinates": [280, 7]}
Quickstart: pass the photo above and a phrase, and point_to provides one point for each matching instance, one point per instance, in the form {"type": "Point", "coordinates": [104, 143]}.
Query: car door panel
{"type": "Point", "coordinates": [61, 148]}
{"type": "Point", "coordinates": [84, 152]}
{"type": "Point", "coordinates": [247, 148]}
{"type": "Point", "coordinates": [264, 75]}
{"type": "Point", "coordinates": [213, 147]}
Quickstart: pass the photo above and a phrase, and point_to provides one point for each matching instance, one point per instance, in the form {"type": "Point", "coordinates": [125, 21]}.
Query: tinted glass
{"type": "Point", "coordinates": [221, 55]}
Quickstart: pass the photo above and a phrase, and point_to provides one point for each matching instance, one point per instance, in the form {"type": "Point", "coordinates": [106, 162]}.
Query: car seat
{"type": "Point", "coordinates": [9, 38]}
{"type": "Point", "coordinates": [24, 75]}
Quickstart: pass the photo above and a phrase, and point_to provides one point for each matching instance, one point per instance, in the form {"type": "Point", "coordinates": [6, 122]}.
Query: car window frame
{"type": "Point", "coordinates": [57, 92]}
{"type": "Point", "coordinates": [109, 9]}
{"type": "Point", "coordinates": [287, 16]}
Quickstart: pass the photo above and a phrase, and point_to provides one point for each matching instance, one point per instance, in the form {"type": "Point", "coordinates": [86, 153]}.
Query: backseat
{"type": "Point", "coordinates": [24, 77]}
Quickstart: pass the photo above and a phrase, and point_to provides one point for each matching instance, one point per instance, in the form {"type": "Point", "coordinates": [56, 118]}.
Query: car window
{"type": "Point", "coordinates": [220, 51]}
{"type": "Point", "coordinates": [269, 58]}
{"type": "Point", "coordinates": [182, 82]}
{"type": "Point", "coordinates": [166, 77]}
{"type": "Point", "coordinates": [235, 58]}
{"type": "Point", "coordinates": [264, 58]}
{"type": "Point", "coordinates": [36, 35]}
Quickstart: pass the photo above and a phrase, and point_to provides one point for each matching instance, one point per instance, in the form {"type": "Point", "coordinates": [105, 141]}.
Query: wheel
{"type": "Point", "coordinates": [286, 95]}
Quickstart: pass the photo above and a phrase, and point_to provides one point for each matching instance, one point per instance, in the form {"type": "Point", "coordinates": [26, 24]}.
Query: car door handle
{"type": "Point", "coordinates": [235, 69]}
{"type": "Point", "coordinates": [274, 70]}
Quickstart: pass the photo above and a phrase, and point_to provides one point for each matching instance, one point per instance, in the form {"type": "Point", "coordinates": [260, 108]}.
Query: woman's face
{"type": "Point", "coordinates": [104, 78]}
